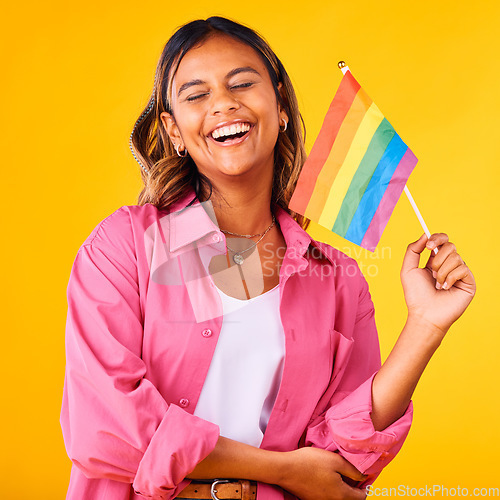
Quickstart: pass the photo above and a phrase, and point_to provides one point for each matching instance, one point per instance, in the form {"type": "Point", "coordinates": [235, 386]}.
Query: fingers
{"type": "Point", "coordinates": [436, 240]}
{"type": "Point", "coordinates": [445, 262]}
{"type": "Point", "coordinates": [447, 265]}
{"type": "Point", "coordinates": [353, 493]}
{"type": "Point", "coordinates": [412, 255]}
{"type": "Point", "coordinates": [345, 468]}
{"type": "Point", "coordinates": [460, 273]}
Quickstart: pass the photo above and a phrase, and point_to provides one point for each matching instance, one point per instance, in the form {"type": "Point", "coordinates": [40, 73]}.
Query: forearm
{"type": "Point", "coordinates": [395, 382]}
{"type": "Point", "coordinates": [232, 459]}
{"type": "Point", "coordinates": [308, 473]}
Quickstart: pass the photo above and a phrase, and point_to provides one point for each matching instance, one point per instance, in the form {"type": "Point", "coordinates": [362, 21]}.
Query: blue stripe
{"type": "Point", "coordinates": [375, 190]}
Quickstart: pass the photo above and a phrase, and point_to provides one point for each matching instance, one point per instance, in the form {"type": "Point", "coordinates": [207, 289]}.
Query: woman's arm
{"type": "Point", "coordinates": [432, 309]}
{"type": "Point", "coordinates": [308, 473]}
{"type": "Point", "coordinates": [342, 419]}
{"type": "Point", "coordinates": [116, 424]}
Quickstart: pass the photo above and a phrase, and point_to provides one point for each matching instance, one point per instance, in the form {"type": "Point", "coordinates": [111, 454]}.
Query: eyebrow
{"type": "Point", "coordinates": [233, 72]}
{"type": "Point", "coordinates": [244, 69]}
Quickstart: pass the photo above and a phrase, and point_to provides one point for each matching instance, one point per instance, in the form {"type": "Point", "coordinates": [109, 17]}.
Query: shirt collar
{"type": "Point", "coordinates": [192, 221]}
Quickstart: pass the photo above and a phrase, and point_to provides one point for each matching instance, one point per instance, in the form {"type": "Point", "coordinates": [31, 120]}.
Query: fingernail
{"type": "Point", "coordinates": [445, 285]}
{"type": "Point", "coordinates": [430, 244]}
{"type": "Point", "coordinates": [438, 285]}
{"type": "Point", "coordinates": [434, 274]}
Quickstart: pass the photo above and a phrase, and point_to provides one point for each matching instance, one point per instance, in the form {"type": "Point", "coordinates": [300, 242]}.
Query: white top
{"type": "Point", "coordinates": [245, 373]}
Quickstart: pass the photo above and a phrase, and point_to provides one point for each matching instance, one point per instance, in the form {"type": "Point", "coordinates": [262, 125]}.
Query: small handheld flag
{"type": "Point", "coordinates": [357, 168]}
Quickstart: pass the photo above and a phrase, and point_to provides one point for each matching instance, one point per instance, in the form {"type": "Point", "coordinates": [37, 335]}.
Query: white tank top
{"type": "Point", "coordinates": [245, 373]}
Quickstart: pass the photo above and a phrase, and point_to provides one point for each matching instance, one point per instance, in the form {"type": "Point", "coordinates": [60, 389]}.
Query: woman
{"type": "Point", "coordinates": [208, 335]}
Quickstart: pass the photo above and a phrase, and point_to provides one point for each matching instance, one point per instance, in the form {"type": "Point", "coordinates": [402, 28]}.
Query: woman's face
{"type": "Point", "coordinates": [225, 111]}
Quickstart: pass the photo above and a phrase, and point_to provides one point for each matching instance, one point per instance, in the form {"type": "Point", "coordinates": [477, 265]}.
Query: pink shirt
{"type": "Point", "coordinates": [143, 322]}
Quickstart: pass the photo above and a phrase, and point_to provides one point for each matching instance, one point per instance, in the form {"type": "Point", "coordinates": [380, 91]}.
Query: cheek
{"type": "Point", "coordinates": [189, 125]}
{"type": "Point", "coordinates": [269, 108]}
{"type": "Point", "coordinates": [272, 121]}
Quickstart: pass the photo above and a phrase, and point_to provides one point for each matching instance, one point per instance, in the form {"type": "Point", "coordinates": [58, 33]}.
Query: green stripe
{"type": "Point", "coordinates": [361, 178]}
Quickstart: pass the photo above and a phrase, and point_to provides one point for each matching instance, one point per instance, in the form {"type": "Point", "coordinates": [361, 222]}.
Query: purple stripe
{"type": "Point", "coordinates": [389, 200]}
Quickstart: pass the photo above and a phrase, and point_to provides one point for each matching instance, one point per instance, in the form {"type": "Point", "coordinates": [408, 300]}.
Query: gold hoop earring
{"type": "Point", "coordinates": [177, 151]}
{"type": "Point", "coordinates": [285, 127]}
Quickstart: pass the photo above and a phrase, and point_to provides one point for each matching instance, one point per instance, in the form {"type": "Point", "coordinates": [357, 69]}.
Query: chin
{"type": "Point", "coordinates": [232, 168]}
{"type": "Point", "coordinates": [234, 171]}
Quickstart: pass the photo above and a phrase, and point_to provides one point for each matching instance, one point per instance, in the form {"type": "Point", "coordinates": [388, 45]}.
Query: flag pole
{"type": "Point", "coordinates": [418, 214]}
{"type": "Point", "coordinates": [344, 68]}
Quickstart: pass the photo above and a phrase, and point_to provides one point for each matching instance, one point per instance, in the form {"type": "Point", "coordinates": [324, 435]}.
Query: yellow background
{"type": "Point", "coordinates": [75, 76]}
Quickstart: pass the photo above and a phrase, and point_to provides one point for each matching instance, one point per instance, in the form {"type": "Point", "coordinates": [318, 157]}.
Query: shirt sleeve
{"type": "Point", "coordinates": [115, 423]}
{"type": "Point", "coordinates": [346, 425]}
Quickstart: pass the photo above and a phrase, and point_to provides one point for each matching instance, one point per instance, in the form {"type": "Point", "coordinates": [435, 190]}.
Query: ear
{"type": "Point", "coordinates": [283, 115]}
{"type": "Point", "coordinates": [172, 129]}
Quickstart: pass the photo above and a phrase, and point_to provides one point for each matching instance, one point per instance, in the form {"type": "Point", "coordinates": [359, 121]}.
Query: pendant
{"type": "Point", "coordinates": [238, 259]}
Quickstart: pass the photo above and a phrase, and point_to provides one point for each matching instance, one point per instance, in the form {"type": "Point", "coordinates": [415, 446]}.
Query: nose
{"type": "Point", "coordinates": [223, 101]}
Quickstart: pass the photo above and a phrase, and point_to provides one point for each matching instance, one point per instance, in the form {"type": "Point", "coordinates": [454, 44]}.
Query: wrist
{"type": "Point", "coordinates": [284, 468]}
{"type": "Point", "coordinates": [278, 467]}
{"type": "Point", "coordinates": [267, 466]}
{"type": "Point", "coordinates": [424, 330]}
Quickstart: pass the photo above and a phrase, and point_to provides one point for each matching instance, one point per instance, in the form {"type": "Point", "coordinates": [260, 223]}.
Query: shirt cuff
{"type": "Point", "coordinates": [348, 428]}
{"type": "Point", "coordinates": [181, 441]}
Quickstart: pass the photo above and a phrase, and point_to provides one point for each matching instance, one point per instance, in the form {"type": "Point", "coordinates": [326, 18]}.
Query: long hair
{"type": "Point", "coordinates": [165, 175]}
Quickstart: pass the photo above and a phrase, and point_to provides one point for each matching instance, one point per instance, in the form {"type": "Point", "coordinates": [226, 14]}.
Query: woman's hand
{"type": "Point", "coordinates": [313, 473]}
{"type": "Point", "coordinates": [440, 292]}
{"type": "Point", "coordinates": [309, 473]}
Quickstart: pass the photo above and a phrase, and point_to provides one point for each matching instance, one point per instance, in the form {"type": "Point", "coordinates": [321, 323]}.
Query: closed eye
{"type": "Point", "coordinates": [195, 97]}
{"type": "Point", "coordinates": [192, 98]}
{"type": "Point", "coordinates": [242, 85]}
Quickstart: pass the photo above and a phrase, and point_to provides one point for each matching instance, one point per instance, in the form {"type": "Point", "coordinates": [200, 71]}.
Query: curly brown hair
{"type": "Point", "coordinates": [165, 175]}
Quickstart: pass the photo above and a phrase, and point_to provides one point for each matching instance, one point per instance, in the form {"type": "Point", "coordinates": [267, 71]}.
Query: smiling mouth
{"type": "Point", "coordinates": [225, 138]}
{"type": "Point", "coordinates": [231, 133]}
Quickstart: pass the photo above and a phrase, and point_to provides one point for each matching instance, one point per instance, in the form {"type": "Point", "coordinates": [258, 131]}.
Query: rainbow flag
{"type": "Point", "coordinates": [356, 171]}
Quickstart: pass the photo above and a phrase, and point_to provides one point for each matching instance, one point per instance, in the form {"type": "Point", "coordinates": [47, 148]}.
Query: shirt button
{"type": "Point", "coordinates": [207, 332]}
{"type": "Point", "coordinates": [215, 238]}
{"type": "Point", "coordinates": [184, 402]}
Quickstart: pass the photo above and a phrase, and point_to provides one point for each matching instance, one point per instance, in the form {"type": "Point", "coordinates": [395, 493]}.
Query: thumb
{"type": "Point", "coordinates": [412, 255]}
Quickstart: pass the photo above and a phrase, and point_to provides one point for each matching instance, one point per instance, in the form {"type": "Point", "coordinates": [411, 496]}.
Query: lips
{"type": "Point", "coordinates": [230, 133]}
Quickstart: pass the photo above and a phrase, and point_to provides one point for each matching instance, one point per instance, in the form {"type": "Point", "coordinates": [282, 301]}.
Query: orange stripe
{"type": "Point", "coordinates": [337, 155]}
{"type": "Point", "coordinates": [337, 111]}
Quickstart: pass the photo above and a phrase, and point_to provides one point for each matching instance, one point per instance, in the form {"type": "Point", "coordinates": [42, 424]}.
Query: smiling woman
{"type": "Point", "coordinates": [227, 117]}
{"type": "Point", "coordinates": [261, 77]}
{"type": "Point", "coordinates": [184, 365]}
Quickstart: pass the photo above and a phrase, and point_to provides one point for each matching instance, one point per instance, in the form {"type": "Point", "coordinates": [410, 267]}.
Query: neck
{"type": "Point", "coordinates": [242, 209]}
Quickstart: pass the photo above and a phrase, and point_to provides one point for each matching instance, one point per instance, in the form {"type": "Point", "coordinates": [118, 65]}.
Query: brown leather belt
{"type": "Point", "coordinates": [223, 489]}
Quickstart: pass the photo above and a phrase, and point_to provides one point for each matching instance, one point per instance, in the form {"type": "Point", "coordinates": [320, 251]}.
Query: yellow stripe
{"type": "Point", "coordinates": [359, 145]}
{"type": "Point", "coordinates": [335, 159]}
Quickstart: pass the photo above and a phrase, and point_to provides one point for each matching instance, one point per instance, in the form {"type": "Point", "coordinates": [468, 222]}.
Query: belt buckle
{"type": "Point", "coordinates": [213, 491]}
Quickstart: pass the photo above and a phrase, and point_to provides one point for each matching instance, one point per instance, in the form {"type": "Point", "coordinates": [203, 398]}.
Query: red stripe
{"type": "Point", "coordinates": [339, 107]}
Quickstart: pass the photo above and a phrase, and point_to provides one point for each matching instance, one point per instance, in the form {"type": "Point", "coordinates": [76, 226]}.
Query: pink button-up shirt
{"type": "Point", "coordinates": [143, 322]}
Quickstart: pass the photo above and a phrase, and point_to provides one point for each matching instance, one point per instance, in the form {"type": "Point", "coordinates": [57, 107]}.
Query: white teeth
{"type": "Point", "coordinates": [230, 130]}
